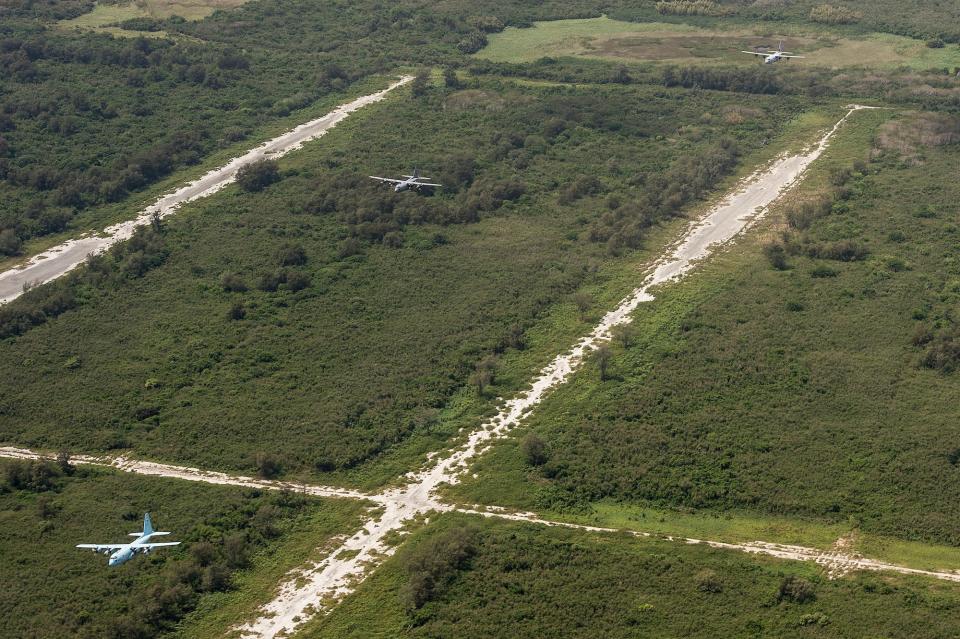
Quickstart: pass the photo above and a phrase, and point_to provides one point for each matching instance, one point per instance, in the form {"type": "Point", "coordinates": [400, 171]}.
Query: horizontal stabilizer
{"type": "Point", "coordinates": [153, 534]}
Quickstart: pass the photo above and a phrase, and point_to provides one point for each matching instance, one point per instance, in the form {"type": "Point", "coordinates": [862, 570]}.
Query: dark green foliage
{"type": "Point", "coordinates": [472, 42]}
{"type": "Point", "coordinates": [528, 580]}
{"type": "Point", "coordinates": [822, 270]}
{"type": "Point", "coordinates": [796, 590]}
{"type": "Point", "coordinates": [236, 312]}
{"type": "Point", "coordinates": [434, 565]}
{"type": "Point", "coordinates": [421, 83]}
{"type": "Point", "coordinates": [708, 580]}
{"type": "Point", "coordinates": [233, 282]}
{"type": "Point", "coordinates": [63, 591]}
{"type": "Point", "coordinates": [356, 363]}
{"type": "Point", "coordinates": [943, 351]}
{"type": "Point", "coordinates": [450, 79]}
{"type": "Point", "coordinates": [30, 475]}
{"type": "Point", "coordinates": [534, 450]}
{"type": "Point", "coordinates": [70, 99]}
{"type": "Point", "coordinates": [665, 194]}
{"type": "Point", "coordinates": [802, 215]}
{"type": "Point", "coordinates": [258, 175]}
{"type": "Point", "coordinates": [733, 400]}
{"type": "Point", "coordinates": [841, 251]}
{"type": "Point", "coordinates": [581, 187]}
{"type": "Point", "coordinates": [123, 262]}
{"type": "Point", "coordinates": [601, 358]}
{"type": "Point", "coordinates": [750, 80]}
{"type": "Point", "coordinates": [776, 254]}
{"type": "Point", "coordinates": [291, 255]}
{"type": "Point", "coordinates": [267, 465]}
{"type": "Point", "coordinates": [10, 242]}
{"type": "Point", "coordinates": [142, 24]}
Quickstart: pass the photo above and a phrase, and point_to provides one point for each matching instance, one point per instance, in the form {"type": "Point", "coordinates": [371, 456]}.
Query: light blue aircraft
{"type": "Point", "coordinates": [125, 552]}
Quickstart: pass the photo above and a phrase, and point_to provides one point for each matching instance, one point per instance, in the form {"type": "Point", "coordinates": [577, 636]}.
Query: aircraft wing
{"type": "Point", "coordinates": [426, 184]}
{"type": "Point", "coordinates": [165, 543]}
{"type": "Point", "coordinates": [756, 53]}
{"type": "Point", "coordinates": [383, 179]}
{"type": "Point", "coordinates": [99, 547]}
{"type": "Point", "coordinates": [791, 56]}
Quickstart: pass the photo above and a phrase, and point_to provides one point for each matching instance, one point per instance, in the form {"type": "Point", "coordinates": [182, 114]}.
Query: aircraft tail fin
{"type": "Point", "coordinates": [147, 524]}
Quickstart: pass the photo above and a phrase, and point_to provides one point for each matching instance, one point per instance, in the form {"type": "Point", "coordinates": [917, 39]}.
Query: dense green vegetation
{"type": "Point", "coordinates": [500, 579]}
{"type": "Point", "coordinates": [54, 589]}
{"type": "Point", "coordinates": [86, 118]}
{"type": "Point", "coordinates": [332, 318]}
{"type": "Point", "coordinates": [150, 106]}
{"type": "Point", "coordinates": [808, 375]}
{"type": "Point", "coordinates": [310, 322]}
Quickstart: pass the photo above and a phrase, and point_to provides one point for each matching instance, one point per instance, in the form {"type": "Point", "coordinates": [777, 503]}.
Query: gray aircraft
{"type": "Point", "coordinates": [769, 57]}
{"type": "Point", "coordinates": [141, 545]}
{"type": "Point", "coordinates": [414, 181]}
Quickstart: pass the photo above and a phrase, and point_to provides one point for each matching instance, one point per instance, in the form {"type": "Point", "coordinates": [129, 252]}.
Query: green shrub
{"type": "Point", "coordinates": [291, 255]}
{"type": "Point", "coordinates": [796, 590]}
{"type": "Point", "coordinates": [708, 581]}
{"type": "Point", "coordinates": [534, 450]}
{"type": "Point", "coordinates": [776, 254]}
{"type": "Point", "coordinates": [434, 565]}
{"type": "Point", "coordinates": [10, 242]}
{"type": "Point", "coordinates": [829, 14]}
{"type": "Point", "coordinates": [233, 283]}
{"type": "Point", "coordinates": [823, 271]}
{"type": "Point", "coordinates": [258, 175]}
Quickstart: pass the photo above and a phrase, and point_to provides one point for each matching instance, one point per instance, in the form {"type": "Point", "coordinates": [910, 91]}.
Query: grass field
{"type": "Point", "coordinates": [794, 392]}
{"type": "Point", "coordinates": [104, 15]}
{"type": "Point", "coordinates": [523, 580]}
{"type": "Point", "coordinates": [306, 375]}
{"type": "Point", "coordinates": [652, 41]}
{"type": "Point", "coordinates": [55, 589]}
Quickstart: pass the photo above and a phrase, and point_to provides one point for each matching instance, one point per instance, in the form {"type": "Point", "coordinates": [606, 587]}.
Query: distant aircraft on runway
{"type": "Point", "coordinates": [125, 552]}
{"type": "Point", "coordinates": [769, 57]}
{"type": "Point", "coordinates": [409, 182]}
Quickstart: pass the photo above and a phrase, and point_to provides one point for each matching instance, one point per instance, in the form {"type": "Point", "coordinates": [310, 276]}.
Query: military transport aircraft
{"type": "Point", "coordinates": [125, 552]}
{"type": "Point", "coordinates": [409, 182]}
{"type": "Point", "coordinates": [769, 57]}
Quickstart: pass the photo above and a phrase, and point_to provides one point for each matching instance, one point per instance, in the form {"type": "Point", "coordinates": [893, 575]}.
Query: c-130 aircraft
{"type": "Point", "coordinates": [770, 57]}
{"type": "Point", "coordinates": [409, 182]}
{"type": "Point", "coordinates": [126, 552]}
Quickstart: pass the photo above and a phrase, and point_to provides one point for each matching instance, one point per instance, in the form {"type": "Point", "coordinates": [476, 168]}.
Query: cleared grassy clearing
{"type": "Point", "coordinates": [526, 580]}
{"type": "Point", "coordinates": [110, 14]}
{"type": "Point", "coordinates": [652, 41]}
{"type": "Point", "coordinates": [55, 589]}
